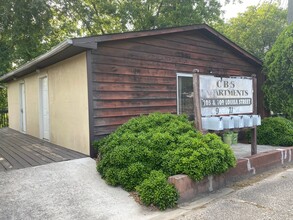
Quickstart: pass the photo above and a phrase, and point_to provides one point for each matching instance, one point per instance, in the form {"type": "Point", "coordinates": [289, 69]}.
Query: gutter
{"type": "Point", "coordinates": [55, 50]}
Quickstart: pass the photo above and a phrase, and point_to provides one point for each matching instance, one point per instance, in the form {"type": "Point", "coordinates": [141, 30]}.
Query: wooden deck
{"type": "Point", "coordinates": [18, 150]}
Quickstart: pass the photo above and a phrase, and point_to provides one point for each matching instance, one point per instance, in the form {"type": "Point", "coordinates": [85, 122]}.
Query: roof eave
{"type": "Point", "coordinates": [59, 48]}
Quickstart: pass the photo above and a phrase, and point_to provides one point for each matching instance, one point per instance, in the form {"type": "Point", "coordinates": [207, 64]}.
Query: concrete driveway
{"type": "Point", "coordinates": [74, 190]}
{"type": "Point", "coordinates": [65, 190]}
{"type": "Point", "coordinates": [270, 198]}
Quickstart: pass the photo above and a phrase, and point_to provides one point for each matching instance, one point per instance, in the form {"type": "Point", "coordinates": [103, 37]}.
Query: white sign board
{"type": "Point", "coordinates": [225, 96]}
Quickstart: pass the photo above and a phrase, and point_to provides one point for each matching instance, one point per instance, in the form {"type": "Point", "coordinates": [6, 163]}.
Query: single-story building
{"type": "Point", "coordinates": [84, 88]}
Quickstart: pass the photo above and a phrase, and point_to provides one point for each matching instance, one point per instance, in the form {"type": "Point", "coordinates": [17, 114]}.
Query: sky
{"type": "Point", "coordinates": [231, 10]}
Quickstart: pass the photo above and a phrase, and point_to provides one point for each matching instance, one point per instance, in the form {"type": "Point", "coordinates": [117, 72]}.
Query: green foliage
{"type": "Point", "coordinates": [108, 16]}
{"type": "Point", "coordinates": [30, 28]}
{"type": "Point", "coordinates": [23, 26]}
{"type": "Point", "coordinates": [160, 142]}
{"type": "Point", "coordinates": [143, 139]}
{"type": "Point", "coordinates": [257, 28]}
{"type": "Point", "coordinates": [5, 55]}
{"type": "Point", "coordinates": [275, 131]}
{"type": "Point", "coordinates": [278, 66]}
{"type": "Point", "coordinates": [199, 157]}
{"type": "Point", "coordinates": [152, 14]}
{"type": "Point", "coordinates": [157, 191]}
{"type": "Point", "coordinates": [3, 97]}
{"type": "Point", "coordinates": [88, 17]}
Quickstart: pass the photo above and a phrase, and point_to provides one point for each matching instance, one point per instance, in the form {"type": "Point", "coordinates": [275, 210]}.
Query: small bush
{"type": "Point", "coordinates": [157, 191]}
{"type": "Point", "coordinates": [163, 142]}
{"type": "Point", "coordinates": [276, 131]}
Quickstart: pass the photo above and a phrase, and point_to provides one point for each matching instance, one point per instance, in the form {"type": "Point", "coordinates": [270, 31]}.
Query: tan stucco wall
{"type": "Point", "coordinates": [32, 104]}
{"type": "Point", "coordinates": [68, 103]}
{"type": "Point", "coordinates": [13, 105]}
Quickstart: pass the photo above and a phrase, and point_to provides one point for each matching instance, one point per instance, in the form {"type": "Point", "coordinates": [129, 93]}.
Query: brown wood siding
{"type": "Point", "coordinates": [138, 76]}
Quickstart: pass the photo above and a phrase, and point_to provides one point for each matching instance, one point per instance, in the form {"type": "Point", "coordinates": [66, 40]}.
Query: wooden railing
{"type": "Point", "coordinates": [3, 118]}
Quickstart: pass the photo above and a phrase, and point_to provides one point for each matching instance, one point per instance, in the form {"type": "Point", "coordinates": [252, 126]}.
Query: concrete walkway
{"type": "Point", "coordinates": [65, 190]}
{"type": "Point", "coordinates": [244, 150]}
{"type": "Point", "coordinates": [72, 190]}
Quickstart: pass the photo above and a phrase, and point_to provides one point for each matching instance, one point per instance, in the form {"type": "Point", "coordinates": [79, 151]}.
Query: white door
{"type": "Point", "coordinates": [44, 108]}
{"type": "Point", "coordinates": [22, 108]}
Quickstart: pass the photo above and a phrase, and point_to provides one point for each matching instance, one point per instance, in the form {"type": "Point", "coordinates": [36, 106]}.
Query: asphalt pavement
{"type": "Point", "coordinates": [270, 198]}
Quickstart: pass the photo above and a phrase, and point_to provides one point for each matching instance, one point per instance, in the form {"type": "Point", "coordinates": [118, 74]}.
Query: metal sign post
{"type": "Point", "coordinates": [254, 133]}
{"type": "Point", "coordinates": [196, 99]}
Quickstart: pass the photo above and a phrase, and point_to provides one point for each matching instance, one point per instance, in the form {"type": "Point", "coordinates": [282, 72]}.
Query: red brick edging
{"type": "Point", "coordinates": [246, 167]}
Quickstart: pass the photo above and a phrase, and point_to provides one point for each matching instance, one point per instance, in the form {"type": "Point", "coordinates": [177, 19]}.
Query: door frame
{"type": "Point", "coordinates": [177, 87]}
{"type": "Point", "coordinates": [41, 127]}
{"type": "Point", "coordinates": [22, 107]}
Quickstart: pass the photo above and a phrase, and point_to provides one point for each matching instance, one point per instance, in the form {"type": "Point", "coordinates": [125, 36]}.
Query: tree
{"type": "Point", "coordinates": [279, 70]}
{"type": "Point", "coordinates": [3, 97]}
{"type": "Point", "coordinates": [151, 14]}
{"type": "Point", "coordinates": [256, 29]}
{"type": "Point", "coordinates": [109, 16]}
{"type": "Point", "coordinates": [5, 56]}
{"type": "Point", "coordinates": [89, 17]}
{"type": "Point", "coordinates": [23, 25]}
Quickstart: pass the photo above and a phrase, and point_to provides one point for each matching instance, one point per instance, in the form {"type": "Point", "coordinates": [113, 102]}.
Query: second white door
{"type": "Point", "coordinates": [22, 108]}
{"type": "Point", "coordinates": [44, 108]}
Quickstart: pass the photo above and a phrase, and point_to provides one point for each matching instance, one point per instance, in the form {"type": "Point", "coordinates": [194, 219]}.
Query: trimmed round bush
{"type": "Point", "coordinates": [164, 142]}
{"type": "Point", "coordinates": [276, 131]}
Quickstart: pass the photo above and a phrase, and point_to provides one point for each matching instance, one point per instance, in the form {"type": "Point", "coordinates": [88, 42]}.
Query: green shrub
{"type": "Point", "coordinates": [133, 175]}
{"type": "Point", "coordinates": [199, 157]}
{"type": "Point", "coordinates": [276, 131]}
{"type": "Point", "coordinates": [160, 142]}
{"type": "Point", "coordinates": [157, 191]}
